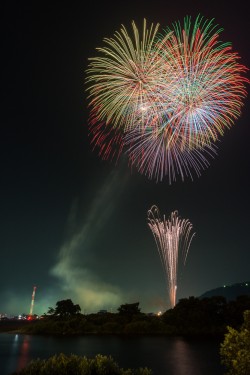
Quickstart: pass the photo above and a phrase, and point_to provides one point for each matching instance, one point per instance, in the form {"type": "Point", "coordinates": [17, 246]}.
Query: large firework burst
{"type": "Point", "coordinates": [124, 83]}
{"type": "Point", "coordinates": [206, 85]}
{"type": "Point", "coordinates": [166, 97]}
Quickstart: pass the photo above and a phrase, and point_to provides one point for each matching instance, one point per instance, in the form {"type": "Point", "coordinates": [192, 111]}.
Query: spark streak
{"type": "Point", "coordinates": [172, 236]}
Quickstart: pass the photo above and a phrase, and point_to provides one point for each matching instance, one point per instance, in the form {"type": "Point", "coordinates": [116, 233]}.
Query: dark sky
{"type": "Point", "coordinates": [76, 226]}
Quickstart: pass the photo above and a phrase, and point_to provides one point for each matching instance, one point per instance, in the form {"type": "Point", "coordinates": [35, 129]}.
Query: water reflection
{"type": "Point", "coordinates": [24, 353]}
{"type": "Point", "coordinates": [19, 353]}
{"type": "Point", "coordinates": [13, 352]}
{"type": "Point", "coordinates": [188, 357]}
{"type": "Point", "coordinates": [171, 356]}
{"type": "Point", "coordinates": [182, 358]}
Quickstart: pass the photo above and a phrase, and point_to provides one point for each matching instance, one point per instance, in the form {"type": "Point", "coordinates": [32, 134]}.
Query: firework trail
{"type": "Point", "coordinates": [109, 141]}
{"type": "Point", "coordinates": [125, 83]}
{"type": "Point", "coordinates": [206, 86]}
{"type": "Point", "coordinates": [164, 99]}
{"type": "Point", "coordinates": [147, 151]}
{"type": "Point", "coordinates": [172, 236]}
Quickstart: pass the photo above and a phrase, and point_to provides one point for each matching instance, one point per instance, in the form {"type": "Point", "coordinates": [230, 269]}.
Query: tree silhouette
{"type": "Point", "coordinates": [65, 308]}
{"type": "Point", "coordinates": [129, 309]}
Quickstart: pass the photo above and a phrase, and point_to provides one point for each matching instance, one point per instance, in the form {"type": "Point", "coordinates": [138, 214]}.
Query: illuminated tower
{"type": "Point", "coordinates": [32, 300]}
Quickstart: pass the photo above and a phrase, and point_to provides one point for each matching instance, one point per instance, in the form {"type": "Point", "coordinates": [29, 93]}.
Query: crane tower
{"type": "Point", "coordinates": [32, 301]}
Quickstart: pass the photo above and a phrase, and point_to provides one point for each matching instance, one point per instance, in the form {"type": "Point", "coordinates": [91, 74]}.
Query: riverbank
{"type": "Point", "coordinates": [36, 329]}
{"type": "Point", "coordinates": [12, 325]}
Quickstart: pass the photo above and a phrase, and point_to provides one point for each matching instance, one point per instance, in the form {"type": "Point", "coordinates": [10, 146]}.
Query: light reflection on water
{"type": "Point", "coordinates": [189, 363]}
{"type": "Point", "coordinates": [181, 349]}
{"type": "Point", "coordinates": [18, 354]}
{"type": "Point", "coordinates": [24, 357]}
{"type": "Point", "coordinates": [165, 356]}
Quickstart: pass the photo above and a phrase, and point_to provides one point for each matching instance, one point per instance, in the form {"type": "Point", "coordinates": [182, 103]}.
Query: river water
{"type": "Point", "coordinates": [164, 355]}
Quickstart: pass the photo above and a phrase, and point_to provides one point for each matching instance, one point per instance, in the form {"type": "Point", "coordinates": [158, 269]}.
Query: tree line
{"type": "Point", "coordinates": [191, 316]}
{"type": "Point", "coordinates": [214, 316]}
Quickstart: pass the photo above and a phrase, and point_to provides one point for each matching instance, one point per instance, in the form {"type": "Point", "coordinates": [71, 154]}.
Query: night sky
{"type": "Point", "coordinates": [76, 226]}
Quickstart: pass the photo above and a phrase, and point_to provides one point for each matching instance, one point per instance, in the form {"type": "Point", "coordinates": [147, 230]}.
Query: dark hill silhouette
{"type": "Point", "coordinates": [230, 292]}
